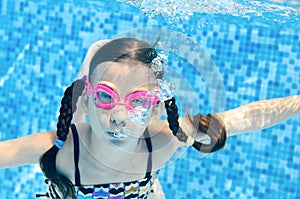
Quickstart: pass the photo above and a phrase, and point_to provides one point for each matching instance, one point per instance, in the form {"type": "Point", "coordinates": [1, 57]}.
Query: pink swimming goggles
{"type": "Point", "coordinates": [106, 98]}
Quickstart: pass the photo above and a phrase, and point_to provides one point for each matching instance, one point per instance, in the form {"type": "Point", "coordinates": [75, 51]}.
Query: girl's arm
{"type": "Point", "coordinates": [25, 150]}
{"type": "Point", "coordinates": [260, 114]}
{"type": "Point", "coordinates": [247, 118]}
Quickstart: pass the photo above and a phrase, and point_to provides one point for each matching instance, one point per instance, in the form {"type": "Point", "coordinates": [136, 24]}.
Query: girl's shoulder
{"type": "Point", "coordinates": [65, 156]}
{"type": "Point", "coordinates": [162, 136]}
{"type": "Point", "coordinates": [164, 143]}
{"type": "Point", "coordinates": [83, 127]}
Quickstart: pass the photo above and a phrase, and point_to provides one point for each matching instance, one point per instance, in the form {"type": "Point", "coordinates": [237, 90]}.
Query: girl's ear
{"type": "Point", "coordinates": [84, 101]}
{"type": "Point", "coordinates": [156, 112]}
{"type": "Point", "coordinates": [82, 110]}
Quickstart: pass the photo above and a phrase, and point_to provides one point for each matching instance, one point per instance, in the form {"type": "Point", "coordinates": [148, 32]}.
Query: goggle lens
{"type": "Point", "coordinates": [105, 97]}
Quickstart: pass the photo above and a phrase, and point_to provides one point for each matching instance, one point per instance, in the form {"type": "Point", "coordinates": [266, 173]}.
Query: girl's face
{"type": "Point", "coordinates": [120, 83]}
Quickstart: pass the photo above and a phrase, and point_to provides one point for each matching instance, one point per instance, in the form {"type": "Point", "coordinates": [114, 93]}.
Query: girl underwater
{"type": "Point", "coordinates": [118, 150]}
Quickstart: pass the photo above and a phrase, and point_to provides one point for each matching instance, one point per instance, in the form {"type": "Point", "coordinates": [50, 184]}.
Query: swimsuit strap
{"type": "Point", "coordinates": [76, 154]}
{"type": "Point", "coordinates": [149, 146]}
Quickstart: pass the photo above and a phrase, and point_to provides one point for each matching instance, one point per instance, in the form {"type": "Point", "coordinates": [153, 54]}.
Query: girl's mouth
{"type": "Point", "coordinates": [118, 134]}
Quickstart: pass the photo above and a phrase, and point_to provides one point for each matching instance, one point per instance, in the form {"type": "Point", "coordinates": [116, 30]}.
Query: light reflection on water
{"type": "Point", "coordinates": [263, 11]}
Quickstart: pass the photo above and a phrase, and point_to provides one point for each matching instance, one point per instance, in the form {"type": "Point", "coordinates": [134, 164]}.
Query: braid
{"type": "Point", "coordinates": [48, 160]}
{"type": "Point", "coordinates": [214, 128]}
{"type": "Point", "coordinates": [172, 112]}
{"type": "Point", "coordinates": [208, 124]}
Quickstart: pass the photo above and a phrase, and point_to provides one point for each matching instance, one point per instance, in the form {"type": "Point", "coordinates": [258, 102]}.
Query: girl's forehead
{"type": "Point", "coordinates": [129, 74]}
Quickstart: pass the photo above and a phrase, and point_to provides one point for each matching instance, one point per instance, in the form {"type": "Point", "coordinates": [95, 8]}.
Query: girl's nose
{"type": "Point", "coordinates": [119, 115]}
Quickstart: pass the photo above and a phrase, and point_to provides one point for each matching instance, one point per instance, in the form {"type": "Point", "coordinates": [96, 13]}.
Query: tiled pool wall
{"type": "Point", "coordinates": [41, 50]}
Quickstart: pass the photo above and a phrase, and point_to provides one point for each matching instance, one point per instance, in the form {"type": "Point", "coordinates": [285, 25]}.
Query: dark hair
{"type": "Point", "coordinates": [48, 160]}
{"type": "Point", "coordinates": [209, 124]}
{"type": "Point", "coordinates": [123, 49]}
{"type": "Point", "coordinates": [116, 50]}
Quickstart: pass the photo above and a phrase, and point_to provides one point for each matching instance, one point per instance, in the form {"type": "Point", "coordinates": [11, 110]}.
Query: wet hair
{"type": "Point", "coordinates": [122, 49]}
{"type": "Point", "coordinates": [117, 50]}
{"type": "Point", "coordinates": [209, 124]}
{"type": "Point", "coordinates": [48, 160]}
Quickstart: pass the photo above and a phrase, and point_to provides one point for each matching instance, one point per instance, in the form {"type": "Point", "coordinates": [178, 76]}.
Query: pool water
{"type": "Point", "coordinates": [254, 49]}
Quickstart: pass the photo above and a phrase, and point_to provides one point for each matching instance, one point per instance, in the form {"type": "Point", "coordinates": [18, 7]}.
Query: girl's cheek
{"type": "Point", "coordinates": [99, 116]}
{"type": "Point", "coordinates": [139, 115]}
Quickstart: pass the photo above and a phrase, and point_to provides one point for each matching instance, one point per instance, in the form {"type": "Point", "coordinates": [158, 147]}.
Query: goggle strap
{"type": "Point", "coordinates": [87, 84]}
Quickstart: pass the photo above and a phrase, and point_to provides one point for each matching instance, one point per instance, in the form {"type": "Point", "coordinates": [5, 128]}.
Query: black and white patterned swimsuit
{"type": "Point", "coordinates": [122, 190]}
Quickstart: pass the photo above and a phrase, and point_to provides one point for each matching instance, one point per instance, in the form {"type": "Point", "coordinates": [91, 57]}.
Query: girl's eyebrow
{"type": "Point", "coordinates": [137, 89]}
{"type": "Point", "coordinates": [107, 83]}
{"type": "Point", "coordinates": [146, 87]}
